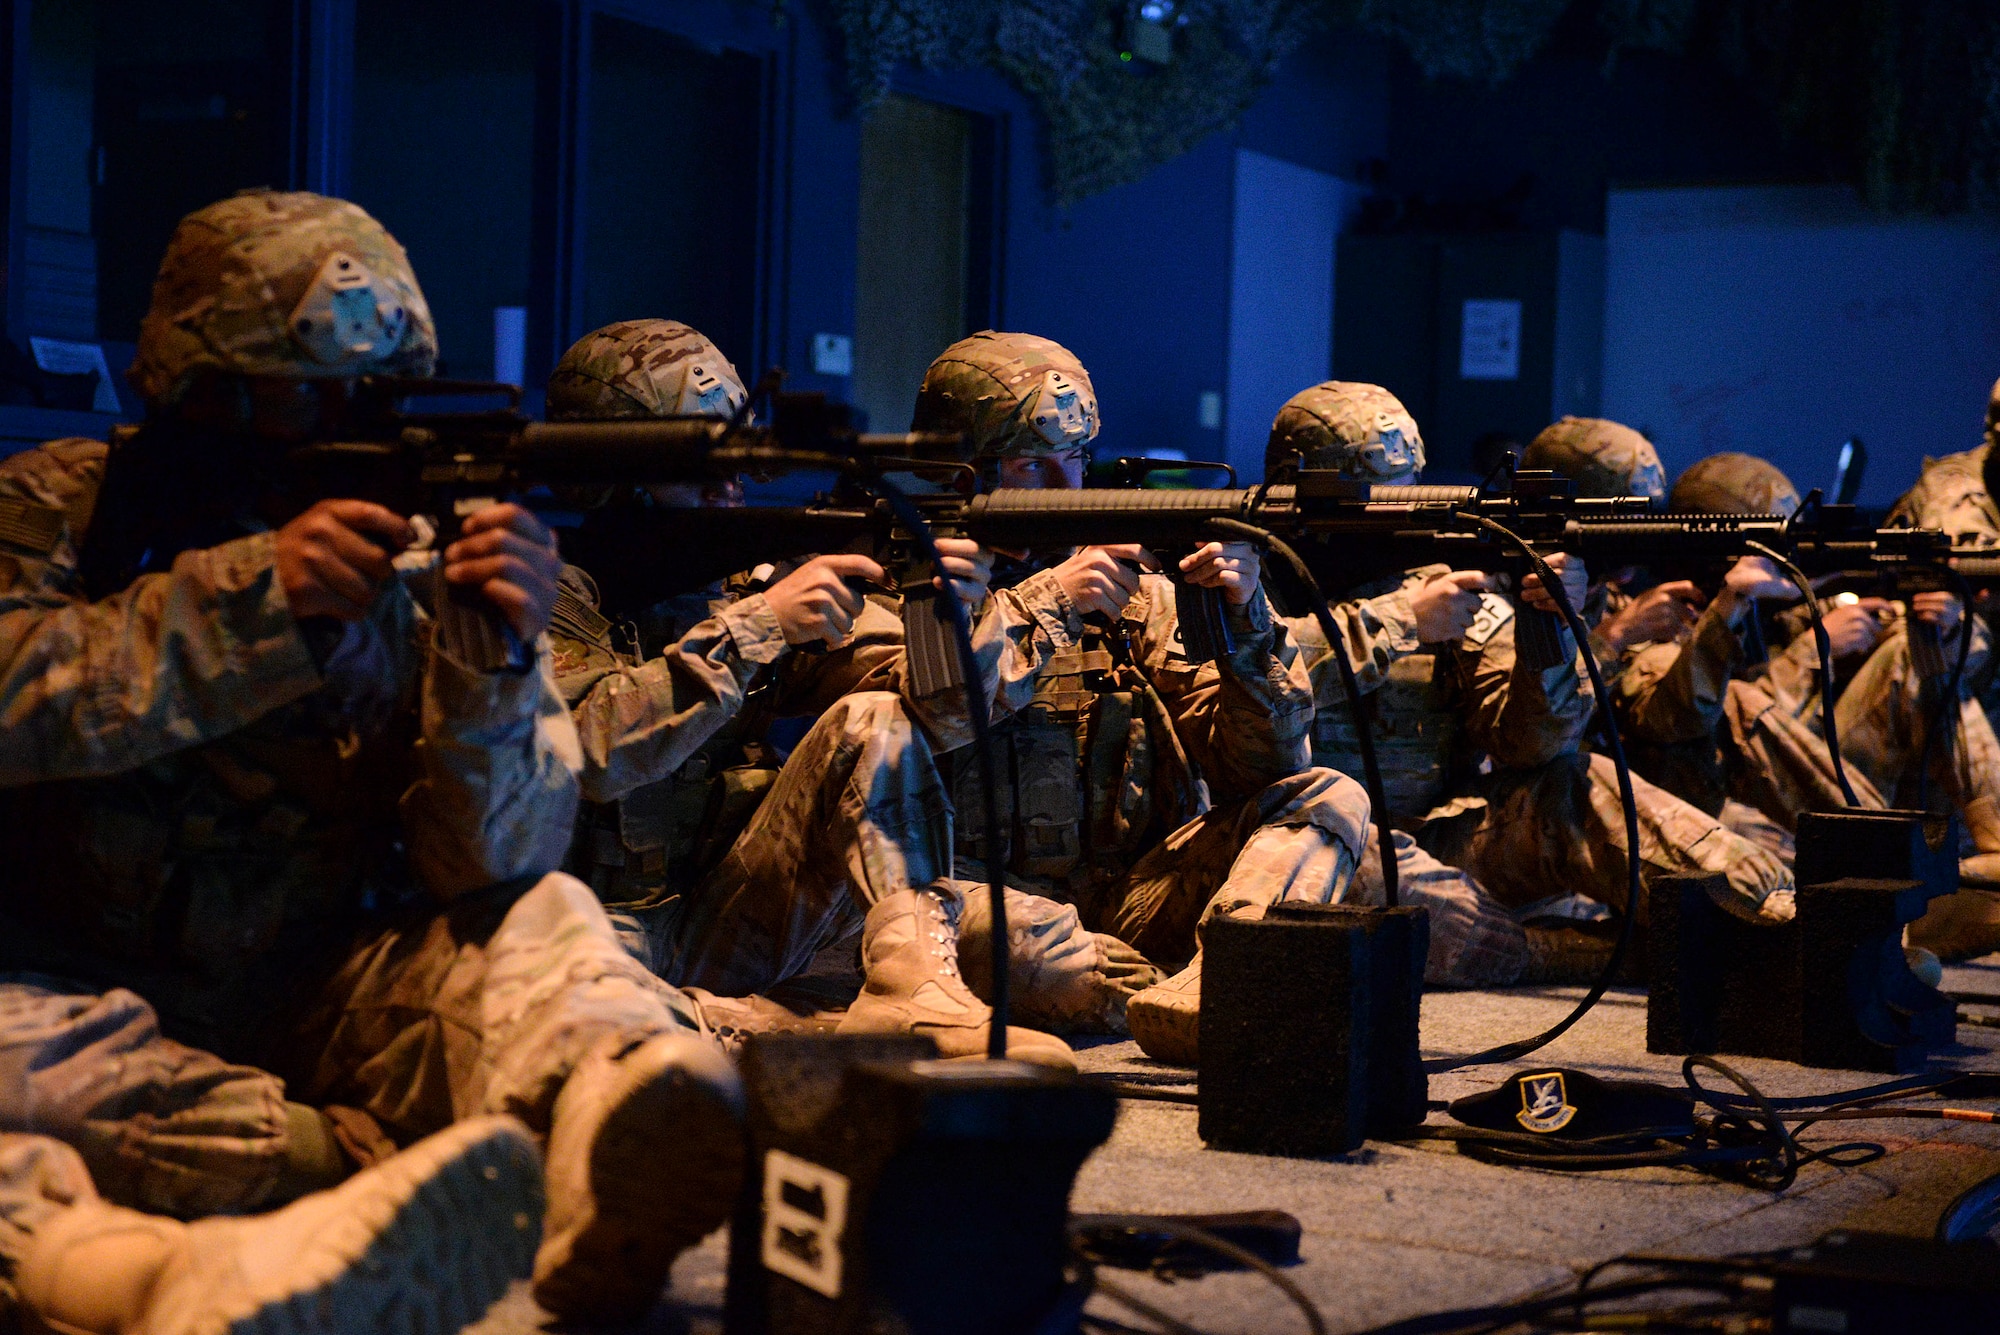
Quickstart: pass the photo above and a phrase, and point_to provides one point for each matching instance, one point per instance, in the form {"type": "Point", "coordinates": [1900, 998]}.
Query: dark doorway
{"type": "Point", "coordinates": [671, 185]}
{"type": "Point", "coordinates": [923, 275]}
{"type": "Point", "coordinates": [192, 104]}
{"type": "Point", "coordinates": [444, 125]}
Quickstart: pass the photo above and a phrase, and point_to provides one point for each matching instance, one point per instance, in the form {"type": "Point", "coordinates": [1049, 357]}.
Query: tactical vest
{"type": "Point", "coordinates": [641, 851]}
{"type": "Point", "coordinates": [204, 858]}
{"type": "Point", "coordinates": [1416, 735]}
{"type": "Point", "coordinates": [272, 840]}
{"type": "Point", "coordinates": [1415, 722]}
{"type": "Point", "coordinates": [1077, 803]}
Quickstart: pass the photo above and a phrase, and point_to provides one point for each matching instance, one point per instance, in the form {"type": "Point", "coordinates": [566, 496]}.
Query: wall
{"type": "Point", "coordinates": [1780, 320]}
{"type": "Point", "coordinates": [450, 143]}
{"type": "Point", "coordinates": [1136, 281]}
{"type": "Point", "coordinates": [1542, 148]}
{"type": "Point", "coordinates": [1287, 221]}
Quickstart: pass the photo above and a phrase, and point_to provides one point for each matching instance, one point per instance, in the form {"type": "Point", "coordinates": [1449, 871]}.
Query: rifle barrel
{"type": "Point", "coordinates": [638, 452]}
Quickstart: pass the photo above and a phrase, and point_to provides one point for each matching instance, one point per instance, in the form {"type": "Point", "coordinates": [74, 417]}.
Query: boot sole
{"type": "Point", "coordinates": [1164, 1032]}
{"type": "Point", "coordinates": [664, 1172]}
{"type": "Point", "coordinates": [432, 1241]}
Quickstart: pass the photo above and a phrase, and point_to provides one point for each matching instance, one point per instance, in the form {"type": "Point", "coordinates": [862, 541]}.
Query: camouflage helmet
{"type": "Point", "coordinates": [644, 368]}
{"type": "Point", "coordinates": [274, 284]}
{"type": "Point", "coordinates": [1603, 458]}
{"type": "Point", "coordinates": [1734, 484]}
{"type": "Point", "coordinates": [1362, 431]}
{"type": "Point", "coordinates": [1013, 394]}
{"type": "Point", "coordinates": [1993, 414]}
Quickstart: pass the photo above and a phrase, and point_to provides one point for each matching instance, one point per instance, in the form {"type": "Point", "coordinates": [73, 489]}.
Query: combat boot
{"type": "Point", "coordinates": [1166, 1018]}
{"type": "Point", "coordinates": [645, 1156]}
{"type": "Point", "coordinates": [1064, 980]}
{"type": "Point", "coordinates": [423, 1242]}
{"type": "Point", "coordinates": [733, 1021]}
{"type": "Point", "coordinates": [1981, 870]}
{"type": "Point", "coordinates": [909, 962]}
{"type": "Point", "coordinates": [1567, 954]}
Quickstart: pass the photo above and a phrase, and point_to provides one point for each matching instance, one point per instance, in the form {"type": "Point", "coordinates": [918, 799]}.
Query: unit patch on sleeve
{"type": "Point", "coordinates": [1494, 612]}
{"type": "Point", "coordinates": [25, 524]}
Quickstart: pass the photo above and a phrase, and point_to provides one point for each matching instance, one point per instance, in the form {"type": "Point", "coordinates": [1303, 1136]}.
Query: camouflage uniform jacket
{"type": "Point", "coordinates": [1669, 700]}
{"type": "Point", "coordinates": [1437, 711]}
{"type": "Point", "coordinates": [655, 730]}
{"type": "Point", "coordinates": [1951, 495]}
{"type": "Point", "coordinates": [1113, 739]}
{"type": "Point", "coordinates": [192, 790]}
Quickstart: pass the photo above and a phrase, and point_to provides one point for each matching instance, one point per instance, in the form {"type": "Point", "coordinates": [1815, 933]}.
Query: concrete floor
{"type": "Point", "coordinates": [1397, 1230]}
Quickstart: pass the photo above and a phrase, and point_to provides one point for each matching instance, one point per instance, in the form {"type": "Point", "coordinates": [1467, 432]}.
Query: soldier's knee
{"type": "Point", "coordinates": [556, 906]}
{"type": "Point", "coordinates": [866, 712]}
{"type": "Point", "coordinates": [1326, 800]}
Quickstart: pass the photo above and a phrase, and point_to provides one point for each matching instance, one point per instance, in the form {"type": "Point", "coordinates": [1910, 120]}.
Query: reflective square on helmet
{"type": "Point", "coordinates": [1063, 411]}
{"type": "Point", "coordinates": [348, 316]}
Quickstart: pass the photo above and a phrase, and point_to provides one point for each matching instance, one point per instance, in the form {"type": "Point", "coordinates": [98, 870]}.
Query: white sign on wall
{"type": "Point", "coordinates": [59, 357]}
{"type": "Point", "coordinates": [1489, 341]}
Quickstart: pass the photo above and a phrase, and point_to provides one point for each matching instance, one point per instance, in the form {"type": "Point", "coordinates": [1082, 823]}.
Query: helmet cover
{"type": "Point", "coordinates": [1012, 394]}
{"type": "Point", "coordinates": [1359, 430]}
{"type": "Point", "coordinates": [644, 368]}
{"type": "Point", "coordinates": [1734, 483]}
{"type": "Point", "coordinates": [270, 283]}
{"type": "Point", "coordinates": [1603, 458]}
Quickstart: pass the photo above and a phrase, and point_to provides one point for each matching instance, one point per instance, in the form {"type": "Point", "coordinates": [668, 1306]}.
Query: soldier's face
{"type": "Point", "coordinates": [1055, 471]}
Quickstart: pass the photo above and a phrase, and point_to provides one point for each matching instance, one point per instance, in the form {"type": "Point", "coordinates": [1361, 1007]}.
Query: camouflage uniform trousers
{"type": "Point", "coordinates": [1531, 836]}
{"type": "Point", "coordinates": [1308, 838]}
{"type": "Point", "coordinates": [1887, 718]}
{"type": "Point", "coordinates": [1779, 767]}
{"type": "Point", "coordinates": [858, 813]}
{"type": "Point", "coordinates": [40, 1178]}
{"type": "Point", "coordinates": [484, 1006]}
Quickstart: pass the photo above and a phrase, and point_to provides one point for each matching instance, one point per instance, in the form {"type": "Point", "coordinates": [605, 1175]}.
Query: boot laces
{"type": "Point", "coordinates": [943, 939]}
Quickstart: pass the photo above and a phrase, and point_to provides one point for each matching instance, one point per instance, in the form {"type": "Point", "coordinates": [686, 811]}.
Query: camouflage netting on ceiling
{"type": "Point", "coordinates": [1902, 96]}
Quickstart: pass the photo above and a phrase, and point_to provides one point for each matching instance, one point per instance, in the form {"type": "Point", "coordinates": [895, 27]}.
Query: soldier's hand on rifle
{"type": "Point", "coordinates": [1936, 608]}
{"type": "Point", "coordinates": [509, 555]}
{"type": "Point", "coordinates": [1444, 607]}
{"type": "Point", "coordinates": [1101, 580]}
{"type": "Point", "coordinates": [1854, 627]}
{"type": "Point", "coordinates": [969, 567]}
{"type": "Point", "coordinates": [1751, 578]}
{"type": "Point", "coordinates": [334, 558]}
{"type": "Point", "coordinates": [1657, 616]}
{"type": "Point", "coordinates": [816, 601]}
{"type": "Point", "coordinates": [1233, 567]}
{"type": "Point", "coordinates": [1575, 579]}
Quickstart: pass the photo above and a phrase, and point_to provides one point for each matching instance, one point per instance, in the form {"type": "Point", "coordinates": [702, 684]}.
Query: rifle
{"type": "Point", "coordinates": [448, 464]}
{"type": "Point", "coordinates": [1348, 532]}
